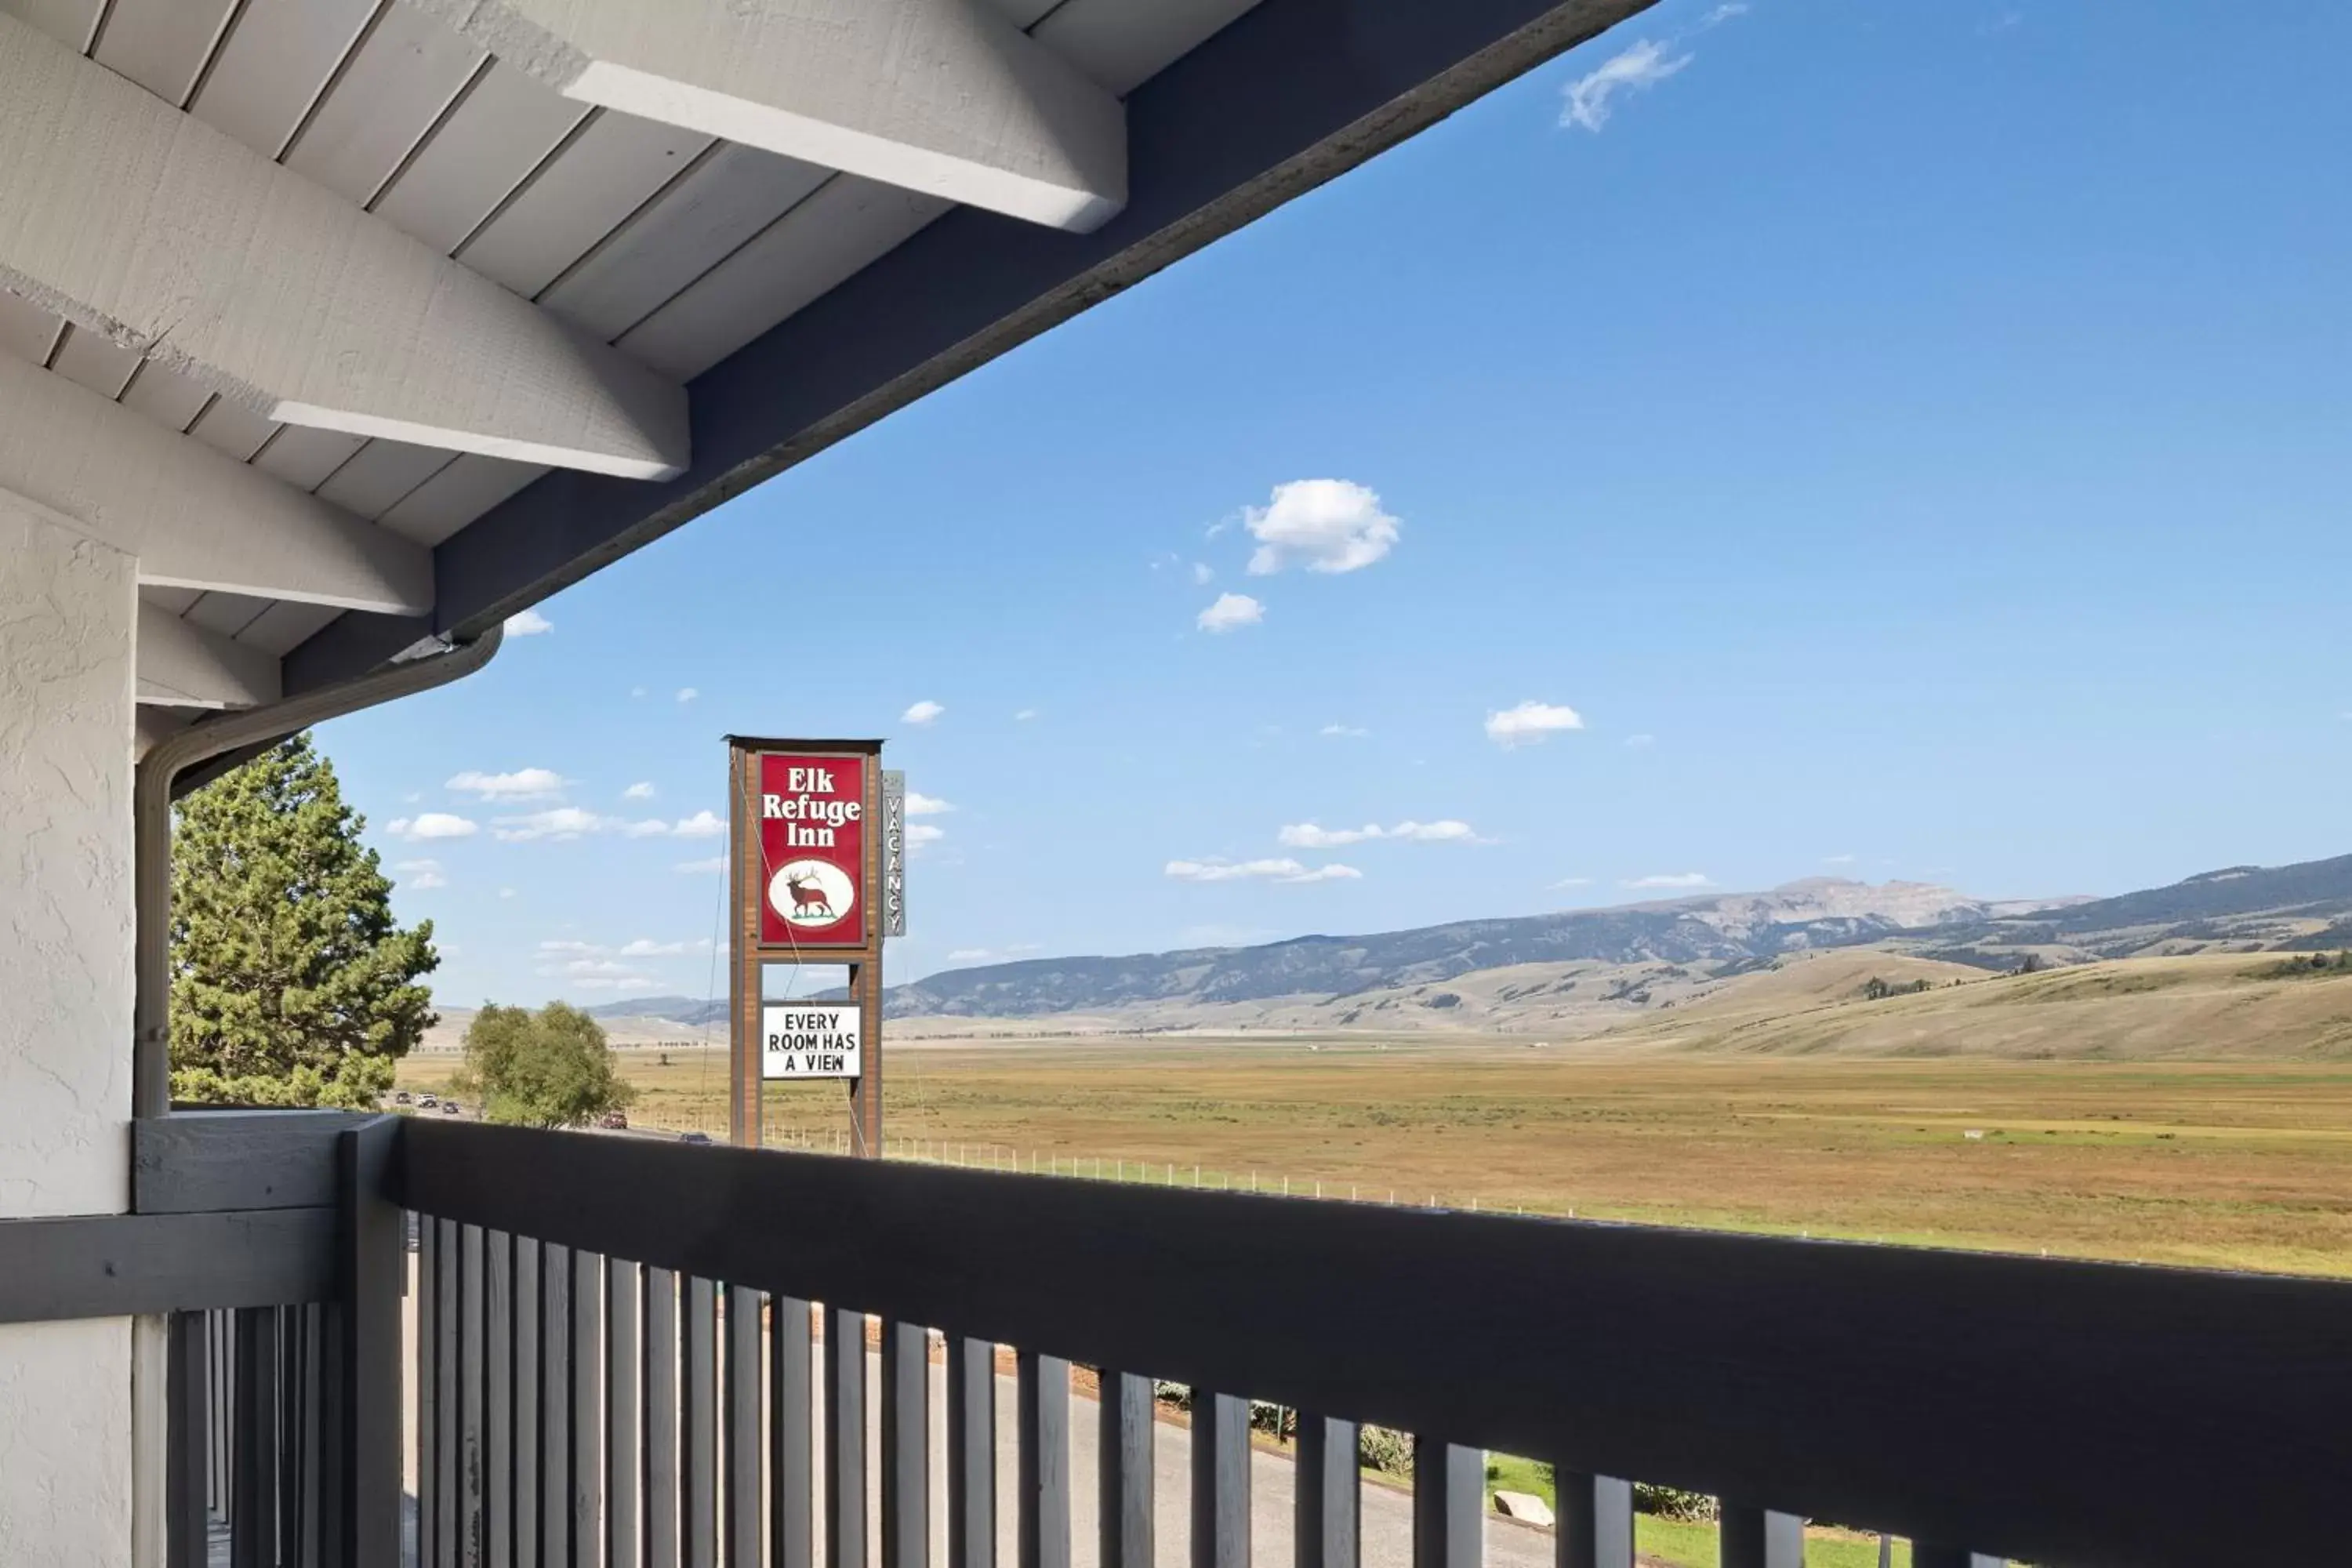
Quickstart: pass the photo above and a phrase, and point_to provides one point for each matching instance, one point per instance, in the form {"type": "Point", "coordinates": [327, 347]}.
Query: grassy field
{"type": "Point", "coordinates": [2228, 1164]}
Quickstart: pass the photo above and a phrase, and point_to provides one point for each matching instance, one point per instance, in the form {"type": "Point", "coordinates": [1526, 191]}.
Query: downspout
{"type": "Point", "coordinates": [150, 1049]}
{"type": "Point", "coordinates": [151, 1060]}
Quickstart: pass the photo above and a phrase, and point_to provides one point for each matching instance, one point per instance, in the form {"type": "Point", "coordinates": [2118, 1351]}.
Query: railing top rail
{"type": "Point", "coordinates": [2054, 1410]}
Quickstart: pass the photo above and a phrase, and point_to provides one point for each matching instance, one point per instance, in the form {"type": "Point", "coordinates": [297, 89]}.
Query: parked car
{"type": "Point", "coordinates": [614, 1120]}
{"type": "Point", "coordinates": [402, 1098]}
{"type": "Point", "coordinates": [427, 1101]}
{"type": "Point", "coordinates": [450, 1108]}
{"type": "Point", "coordinates": [694, 1138]}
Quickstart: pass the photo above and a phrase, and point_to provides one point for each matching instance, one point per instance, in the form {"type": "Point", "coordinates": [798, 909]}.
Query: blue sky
{"type": "Point", "coordinates": [1879, 440]}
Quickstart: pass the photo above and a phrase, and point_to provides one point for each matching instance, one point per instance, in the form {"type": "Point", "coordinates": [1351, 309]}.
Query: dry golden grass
{"type": "Point", "coordinates": [2230, 1165]}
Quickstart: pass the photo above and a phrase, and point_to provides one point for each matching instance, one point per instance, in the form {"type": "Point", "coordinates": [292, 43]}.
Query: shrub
{"type": "Point", "coordinates": [1385, 1449]}
{"type": "Point", "coordinates": [1673, 1502]}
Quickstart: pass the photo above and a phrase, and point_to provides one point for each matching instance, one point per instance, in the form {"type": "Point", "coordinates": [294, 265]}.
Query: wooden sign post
{"type": "Point", "coordinates": [805, 852]}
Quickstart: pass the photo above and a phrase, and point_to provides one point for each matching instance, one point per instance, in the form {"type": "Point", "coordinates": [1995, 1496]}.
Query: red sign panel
{"type": "Point", "coordinates": [810, 810]}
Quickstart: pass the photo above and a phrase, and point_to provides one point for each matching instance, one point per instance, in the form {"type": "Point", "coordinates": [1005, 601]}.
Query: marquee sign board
{"type": "Point", "coordinates": [811, 1040]}
{"type": "Point", "coordinates": [806, 865]}
{"type": "Point", "coordinates": [812, 834]}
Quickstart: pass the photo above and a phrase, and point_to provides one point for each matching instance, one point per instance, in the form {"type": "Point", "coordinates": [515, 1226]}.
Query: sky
{"type": "Point", "coordinates": [1813, 438]}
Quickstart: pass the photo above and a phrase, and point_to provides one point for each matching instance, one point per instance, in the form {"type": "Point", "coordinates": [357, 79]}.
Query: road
{"type": "Point", "coordinates": [1386, 1536]}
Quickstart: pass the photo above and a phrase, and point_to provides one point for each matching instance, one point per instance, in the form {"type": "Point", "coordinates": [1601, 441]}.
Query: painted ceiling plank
{"type": "Point", "coordinates": [399, 80]}
{"type": "Point", "coordinates": [482, 152]}
{"type": "Point", "coordinates": [457, 496]}
{"type": "Point", "coordinates": [283, 298]}
{"type": "Point", "coordinates": [725, 200]}
{"type": "Point", "coordinates": [192, 516]}
{"type": "Point", "coordinates": [840, 229]}
{"type": "Point", "coordinates": [943, 97]}
{"type": "Point", "coordinates": [182, 665]}
{"type": "Point", "coordinates": [271, 69]}
{"type": "Point", "coordinates": [161, 43]}
{"type": "Point", "coordinates": [606, 173]}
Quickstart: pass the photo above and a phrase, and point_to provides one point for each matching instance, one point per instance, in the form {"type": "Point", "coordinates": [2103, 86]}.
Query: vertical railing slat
{"type": "Point", "coordinates": [473, 1464]}
{"type": "Point", "coordinates": [661, 1418]}
{"type": "Point", "coordinates": [698, 1408]}
{"type": "Point", "coordinates": [448, 1345]}
{"type": "Point", "coordinates": [906, 1446]}
{"type": "Point", "coordinates": [187, 1413]}
{"type": "Point", "coordinates": [311, 1414]}
{"type": "Point", "coordinates": [739, 1419]}
{"type": "Point", "coordinates": [1329, 1530]}
{"type": "Point", "coordinates": [1754, 1537]}
{"type": "Point", "coordinates": [253, 1470]}
{"type": "Point", "coordinates": [1043, 1403]}
{"type": "Point", "coordinates": [791, 1476]}
{"type": "Point", "coordinates": [844, 1438]}
{"type": "Point", "coordinates": [1124, 1471]}
{"type": "Point", "coordinates": [528, 1362]}
{"type": "Point", "coordinates": [587, 1408]}
{"type": "Point", "coordinates": [1933, 1554]}
{"type": "Point", "coordinates": [625, 1530]}
{"type": "Point", "coordinates": [497, 1397]}
{"type": "Point", "coordinates": [971, 1452]}
{"type": "Point", "coordinates": [1449, 1504]}
{"type": "Point", "coordinates": [1594, 1522]}
{"type": "Point", "coordinates": [1221, 1480]}
{"type": "Point", "coordinates": [555, 1285]}
{"type": "Point", "coordinates": [428, 1390]}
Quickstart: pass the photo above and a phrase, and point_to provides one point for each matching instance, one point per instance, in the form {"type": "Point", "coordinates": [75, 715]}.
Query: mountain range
{"type": "Point", "coordinates": [1710, 936]}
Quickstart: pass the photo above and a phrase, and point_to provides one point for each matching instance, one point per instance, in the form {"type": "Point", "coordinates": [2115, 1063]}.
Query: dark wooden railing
{"type": "Point", "coordinates": [623, 1347]}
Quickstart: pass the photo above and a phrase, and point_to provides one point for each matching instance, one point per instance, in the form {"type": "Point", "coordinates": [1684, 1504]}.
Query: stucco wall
{"type": "Point", "coordinates": [68, 607]}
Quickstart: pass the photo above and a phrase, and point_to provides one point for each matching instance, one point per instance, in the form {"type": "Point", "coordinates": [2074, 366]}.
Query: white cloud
{"type": "Point", "coordinates": [922, 713]}
{"type": "Point", "coordinates": [567, 822]}
{"type": "Point", "coordinates": [1640, 66]}
{"type": "Point", "coordinates": [506, 893]}
{"type": "Point", "coordinates": [564, 944]}
{"type": "Point", "coordinates": [417, 876]}
{"type": "Point", "coordinates": [1202, 573]}
{"type": "Point", "coordinates": [1282, 870]}
{"type": "Point", "coordinates": [1324, 525]}
{"type": "Point", "coordinates": [529, 624]}
{"type": "Point", "coordinates": [1024, 715]}
{"type": "Point", "coordinates": [1837, 859]}
{"type": "Point", "coordinates": [642, 790]}
{"type": "Point", "coordinates": [1308, 835]}
{"type": "Point", "coordinates": [703, 868]}
{"type": "Point", "coordinates": [688, 694]}
{"type": "Point", "coordinates": [1570, 882]}
{"type": "Point", "coordinates": [617, 982]}
{"type": "Point", "coordinates": [1677, 880]}
{"type": "Point", "coordinates": [1530, 722]}
{"type": "Point", "coordinates": [412, 797]}
{"type": "Point", "coordinates": [1344, 731]}
{"type": "Point", "coordinates": [523, 783]}
{"type": "Point", "coordinates": [1639, 742]}
{"type": "Point", "coordinates": [1230, 610]}
{"type": "Point", "coordinates": [969, 954]}
{"type": "Point", "coordinates": [646, 947]}
{"type": "Point", "coordinates": [636, 692]}
{"type": "Point", "coordinates": [920, 834]}
{"type": "Point", "coordinates": [921, 805]}
{"type": "Point", "coordinates": [431, 824]}
{"type": "Point", "coordinates": [559, 822]}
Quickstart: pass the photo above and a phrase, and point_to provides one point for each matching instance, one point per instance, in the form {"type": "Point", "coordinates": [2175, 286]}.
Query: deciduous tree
{"type": "Point", "coordinates": [549, 1069]}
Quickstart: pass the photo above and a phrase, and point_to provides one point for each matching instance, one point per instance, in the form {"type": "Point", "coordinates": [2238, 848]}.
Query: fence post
{"type": "Point", "coordinates": [368, 1413]}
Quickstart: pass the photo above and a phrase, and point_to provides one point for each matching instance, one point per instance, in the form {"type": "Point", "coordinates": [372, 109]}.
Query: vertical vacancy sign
{"type": "Point", "coordinates": [806, 859]}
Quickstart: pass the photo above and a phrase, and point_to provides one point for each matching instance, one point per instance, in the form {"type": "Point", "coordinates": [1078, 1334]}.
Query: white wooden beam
{"type": "Point", "coordinates": [946, 97]}
{"type": "Point", "coordinates": [182, 665]}
{"type": "Point", "coordinates": [192, 517]}
{"type": "Point", "coordinates": [156, 232]}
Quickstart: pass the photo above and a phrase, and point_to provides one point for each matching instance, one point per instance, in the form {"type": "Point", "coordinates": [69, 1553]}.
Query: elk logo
{"type": "Point", "coordinates": [810, 892]}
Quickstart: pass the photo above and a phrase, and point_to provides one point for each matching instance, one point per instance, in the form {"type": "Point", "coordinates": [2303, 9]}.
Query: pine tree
{"type": "Point", "coordinates": [292, 984]}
